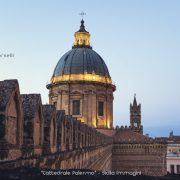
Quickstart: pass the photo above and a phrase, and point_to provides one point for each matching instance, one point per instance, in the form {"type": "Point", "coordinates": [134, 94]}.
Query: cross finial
{"type": "Point", "coordinates": [82, 14]}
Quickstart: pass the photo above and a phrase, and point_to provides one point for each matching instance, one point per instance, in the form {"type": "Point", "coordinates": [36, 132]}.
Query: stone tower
{"type": "Point", "coordinates": [135, 116]}
{"type": "Point", "coordinates": [81, 84]}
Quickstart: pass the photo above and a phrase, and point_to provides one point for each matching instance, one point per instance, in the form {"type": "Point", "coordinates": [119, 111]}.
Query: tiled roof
{"type": "Point", "coordinates": [174, 139]}
{"type": "Point", "coordinates": [129, 136]}
{"type": "Point", "coordinates": [170, 140]}
{"type": "Point", "coordinates": [108, 132]}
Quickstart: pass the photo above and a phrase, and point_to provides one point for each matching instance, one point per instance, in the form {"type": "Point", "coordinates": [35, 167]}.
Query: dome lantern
{"type": "Point", "coordinates": [82, 37]}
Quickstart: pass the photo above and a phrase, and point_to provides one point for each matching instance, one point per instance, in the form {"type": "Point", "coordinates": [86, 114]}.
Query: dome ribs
{"type": "Point", "coordinates": [68, 63]}
{"type": "Point", "coordinates": [81, 64]}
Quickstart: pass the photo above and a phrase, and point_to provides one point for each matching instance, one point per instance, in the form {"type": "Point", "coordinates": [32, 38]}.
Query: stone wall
{"type": "Point", "coordinates": [147, 158]}
{"type": "Point", "coordinates": [47, 138]}
{"type": "Point", "coordinates": [36, 135]}
{"type": "Point", "coordinates": [133, 151]}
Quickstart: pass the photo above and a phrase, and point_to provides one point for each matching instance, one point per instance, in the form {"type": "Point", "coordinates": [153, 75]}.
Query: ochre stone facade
{"type": "Point", "coordinates": [89, 94]}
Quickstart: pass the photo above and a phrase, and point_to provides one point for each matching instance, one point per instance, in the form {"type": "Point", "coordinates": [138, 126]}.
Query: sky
{"type": "Point", "coordinates": [139, 41]}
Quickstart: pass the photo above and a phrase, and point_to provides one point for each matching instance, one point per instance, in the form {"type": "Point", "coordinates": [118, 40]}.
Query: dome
{"type": "Point", "coordinates": [81, 63]}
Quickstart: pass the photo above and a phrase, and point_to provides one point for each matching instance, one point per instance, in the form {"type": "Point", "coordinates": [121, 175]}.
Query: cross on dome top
{"type": "Point", "coordinates": [82, 14]}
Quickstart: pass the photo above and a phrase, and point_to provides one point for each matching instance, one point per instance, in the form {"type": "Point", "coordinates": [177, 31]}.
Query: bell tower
{"type": "Point", "coordinates": [135, 116]}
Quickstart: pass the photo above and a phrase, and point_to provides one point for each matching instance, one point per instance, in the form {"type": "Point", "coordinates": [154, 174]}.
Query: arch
{"type": "Point", "coordinates": [11, 119]}
{"type": "Point", "coordinates": [14, 119]}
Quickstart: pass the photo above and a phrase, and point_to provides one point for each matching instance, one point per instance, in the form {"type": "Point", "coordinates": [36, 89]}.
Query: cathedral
{"type": "Point", "coordinates": [75, 130]}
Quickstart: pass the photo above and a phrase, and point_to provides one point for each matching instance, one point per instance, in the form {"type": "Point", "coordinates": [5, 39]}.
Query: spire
{"type": "Point", "coordinates": [134, 102]}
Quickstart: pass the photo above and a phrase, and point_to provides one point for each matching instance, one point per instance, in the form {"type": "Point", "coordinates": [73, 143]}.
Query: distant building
{"type": "Point", "coordinates": [133, 151]}
{"type": "Point", "coordinates": [173, 154]}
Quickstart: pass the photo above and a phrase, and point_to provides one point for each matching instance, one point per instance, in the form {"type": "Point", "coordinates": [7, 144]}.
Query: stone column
{"type": "Point", "coordinates": [94, 111]}
{"type": "Point", "coordinates": [59, 101]}
{"type": "Point", "coordinates": [66, 102]}
{"type": "Point", "coordinates": [85, 108]}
